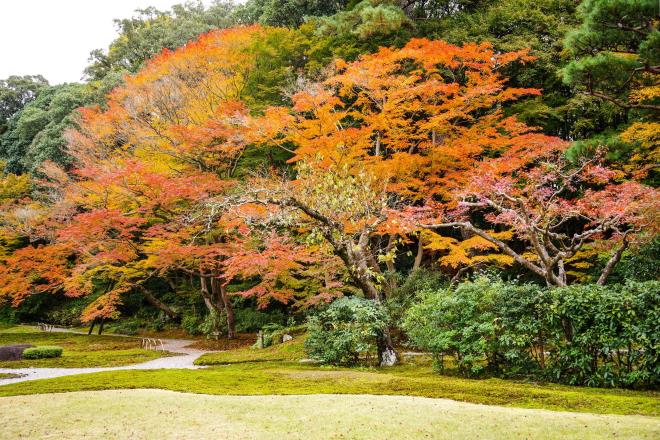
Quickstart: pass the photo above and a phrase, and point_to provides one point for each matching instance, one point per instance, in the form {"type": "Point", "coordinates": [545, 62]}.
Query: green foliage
{"type": "Point", "coordinates": [191, 324]}
{"type": "Point", "coordinates": [249, 319]}
{"type": "Point", "coordinates": [346, 330]}
{"type": "Point", "coordinates": [15, 92]}
{"type": "Point", "coordinates": [286, 13]}
{"type": "Point", "coordinates": [368, 19]}
{"type": "Point", "coordinates": [406, 294]}
{"type": "Point", "coordinates": [641, 264]}
{"type": "Point", "coordinates": [44, 352]}
{"type": "Point", "coordinates": [36, 133]}
{"type": "Point", "coordinates": [582, 335]}
{"type": "Point", "coordinates": [458, 323]}
{"type": "Point", "coordinates": [150, 31]}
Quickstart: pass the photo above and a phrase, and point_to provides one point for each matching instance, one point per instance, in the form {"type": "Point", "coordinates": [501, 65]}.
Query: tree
{"type": "Point", "coordinates": [15, 93]}
{"type": "Point", "coordinates": [387, 132]}
{"type": "Point", "coordinates": [285, 13]}
{"type": "Point", "coordinates": [146, 165]}
{"type": "Point", "coordinates": [558, 210]}
{"type": "Point", "coordinates": [617, 48]}
{"type": "Point", "coordinates": [151, 30]}
{"type": "Point", "coordinates": [615, 61]}
{"type": "Point", "coordinates": [35, 134]}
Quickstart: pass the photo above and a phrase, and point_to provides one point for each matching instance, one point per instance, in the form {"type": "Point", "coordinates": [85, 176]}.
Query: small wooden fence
{"type": "Point", "coordinates": [153, 344]}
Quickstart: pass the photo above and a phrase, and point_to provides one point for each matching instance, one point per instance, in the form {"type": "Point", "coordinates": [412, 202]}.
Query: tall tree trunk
{"type": "Point", "coordinates": [231, 321]}
{"type": "Point", "coordinates": [159, 304]}
{"type": "Point", "coordinates": [420, 253]}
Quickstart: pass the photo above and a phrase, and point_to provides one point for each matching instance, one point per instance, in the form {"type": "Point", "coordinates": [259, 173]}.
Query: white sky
{"type": "Point", "coordinates": [54, 37]}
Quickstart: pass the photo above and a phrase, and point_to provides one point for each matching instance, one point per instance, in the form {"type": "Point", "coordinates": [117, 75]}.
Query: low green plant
{"type": "Point", "coordinates": [345, 331]}
{"type": "Point", "coordinates": [191, 324]}
{"type": "Point", "coordinates": [44, 352]}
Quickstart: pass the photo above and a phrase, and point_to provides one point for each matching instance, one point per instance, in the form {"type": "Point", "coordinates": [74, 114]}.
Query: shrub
{"type": "Point", "coordinates": [44, 352]}
{"type": "Point", "coordinates": [249, 319]}
{"type": "Point", "coordinates": [345, 330]}
{"type": "Point", "coordinates": [459, 323]}
{"type": "Point", "coordinates": [191, 323]}
{"type": "Point", "coordinates": [128, 327]}
{"type": "Point", "coordinates": [582, 335]}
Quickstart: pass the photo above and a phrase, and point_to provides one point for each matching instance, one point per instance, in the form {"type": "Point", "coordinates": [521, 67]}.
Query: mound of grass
{"type": "Point", "coordinates": [290, 351]}
{"type": "Point", "coordinates": [260, 378]}
{"type": "Point", "coordinates": [362, 417]}
{"type": "Point", "coordinates": [80, 351]}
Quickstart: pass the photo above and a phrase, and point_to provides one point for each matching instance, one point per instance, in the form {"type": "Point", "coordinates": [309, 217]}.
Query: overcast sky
{"type": "Point", "coordinates": [54, 37]}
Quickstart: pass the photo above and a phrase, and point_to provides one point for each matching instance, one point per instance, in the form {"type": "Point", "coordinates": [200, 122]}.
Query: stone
{"type": "Point", "coordinates": [388, 359]}
{"type": "Point", "coordinates": [13, 352]}
{"type": "Point", "coordinates": [286, 338]}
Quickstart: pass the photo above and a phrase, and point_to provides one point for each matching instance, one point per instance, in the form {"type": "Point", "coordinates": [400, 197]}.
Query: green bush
{"type": "Point", "coordinates": [460, 323]}
{"type": "Point", "coordinates": [347, 329]}
{"type": "Point", "coordinates": [581, 335]}
{"type": "Point", "coordinates": [44, 352]}
{"type": "Point", "coordinates": [249, 319]}
{"type": "Point", "coordinates": [191, 323]}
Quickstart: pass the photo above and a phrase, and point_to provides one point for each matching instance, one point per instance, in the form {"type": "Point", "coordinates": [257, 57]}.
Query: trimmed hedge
{"type": "Point", "coordinates": [589, 335]}
{"type": "Point", "coordinates": [44, 352]}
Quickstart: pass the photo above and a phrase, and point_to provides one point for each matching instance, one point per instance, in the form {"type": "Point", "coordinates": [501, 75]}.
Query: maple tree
{"type": "Point", "coordinates": [387, 132]}
{"type": "Point", "coordinates": [559, 210]}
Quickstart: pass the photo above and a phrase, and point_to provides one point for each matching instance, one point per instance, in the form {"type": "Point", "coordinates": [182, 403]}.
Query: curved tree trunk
{"type": "Point", "coordinates": [159, 304]}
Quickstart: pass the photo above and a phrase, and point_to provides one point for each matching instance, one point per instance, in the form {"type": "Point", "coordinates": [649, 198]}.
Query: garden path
{"type": "Point", "coordinates": [185, 359]}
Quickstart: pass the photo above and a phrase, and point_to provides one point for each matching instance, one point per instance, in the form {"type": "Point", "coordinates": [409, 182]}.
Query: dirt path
{"type": "Point", "coordinates": [185, 360]}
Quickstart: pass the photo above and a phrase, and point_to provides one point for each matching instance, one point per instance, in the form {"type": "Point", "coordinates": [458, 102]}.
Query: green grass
{"type": "Point", "coordinates": [163, 414]}
{"type": "Point", "coordinates": [7, 376]}
{"type": "Point", "coordinates": [276, 370]}
{"type": "Point", "coordinates": [280, 378]}
{"type": "Point", "coordinates": [291, 351]}
{"type": "Point", "coordinates": [80, 351]}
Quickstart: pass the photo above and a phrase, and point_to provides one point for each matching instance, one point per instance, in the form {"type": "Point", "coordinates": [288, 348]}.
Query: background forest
{"type": "Point", "coordinates": [475, 179]}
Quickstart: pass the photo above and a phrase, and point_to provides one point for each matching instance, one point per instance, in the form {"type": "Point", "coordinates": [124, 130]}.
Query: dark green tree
{"type": "Point", "coordinates": [152, 30]}
{"type": "Point", "coordinates": [616, 53]}
{"type": "Point", "coordinates": [15, 92]}
{"type": "Point", "coordinates": [35, 134]}
{"type": "Point", "coordinates": [287, 13]}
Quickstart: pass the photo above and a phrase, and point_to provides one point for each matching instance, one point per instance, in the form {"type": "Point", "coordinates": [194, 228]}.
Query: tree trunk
{"type": "Point", "coordinates": [159, 304]}
{"type": "Point", "coordinates": [420, 253]}
{"type": "Point", "coordinates": [616, 257]}
{"type": "Point", "coordinates": [221, 295]}
{"type": "Point", "coordinates": [231, 320]}
{"type": "Point", "coordinates": [101, 326]}
{"type": "Point", "coordinates": [91, 328]}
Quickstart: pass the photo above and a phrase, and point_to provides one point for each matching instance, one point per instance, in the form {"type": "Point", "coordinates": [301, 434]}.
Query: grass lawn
{"type": "Point", "coordinates": [80, 351]}
{"type": "Point", "coordinates": [138, 414]}
{"type": "Point", "coordinates": [276, 371]}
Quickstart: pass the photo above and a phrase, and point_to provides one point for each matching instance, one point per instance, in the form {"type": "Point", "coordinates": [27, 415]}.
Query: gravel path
{"type": "Point", "coordinates": [185, 360]}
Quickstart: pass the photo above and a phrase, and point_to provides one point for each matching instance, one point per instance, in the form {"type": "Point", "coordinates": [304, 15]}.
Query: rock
{"type": "Point", "coordinates": [13, 352]}
{"type": "Point", "coordinates": [388, 359]}
{"type": "Point", "coordinates": [286, 338]}
{"type": "Point", "coordinates": [309, 361]}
